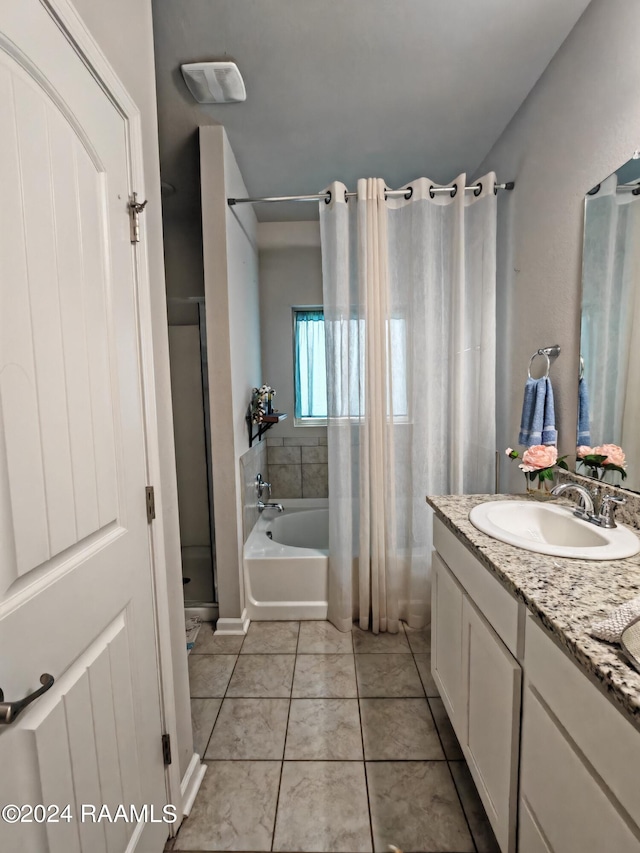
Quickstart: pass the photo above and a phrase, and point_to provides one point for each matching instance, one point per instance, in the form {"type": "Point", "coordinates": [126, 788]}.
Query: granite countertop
{"type": "Point", "coordinates": [567, 595]}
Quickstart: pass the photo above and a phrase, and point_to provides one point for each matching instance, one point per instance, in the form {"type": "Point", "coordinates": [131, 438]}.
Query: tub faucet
{"type": "Point", "coordinates": [262, 506]}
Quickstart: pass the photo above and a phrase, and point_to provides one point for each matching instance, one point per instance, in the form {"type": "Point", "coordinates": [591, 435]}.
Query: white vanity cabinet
{"type": "Point", "coordinates": [478, 677]}
{"type": "Point", "coordinates": [579, 762]}
{"type": "Point", "coordinates": [555, 762]}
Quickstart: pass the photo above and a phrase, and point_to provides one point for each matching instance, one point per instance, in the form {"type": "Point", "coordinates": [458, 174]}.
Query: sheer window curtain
{"type": "Point", "coordinates": [409, 303]}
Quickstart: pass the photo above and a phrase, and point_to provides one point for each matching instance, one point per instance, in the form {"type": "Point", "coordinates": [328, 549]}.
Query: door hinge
{"type": "Point", "coordinates": [135, 209]}
{"type": "Point", "coordinates": [151, 503]}
{"type": "Point", "coordinates": [166, 749]}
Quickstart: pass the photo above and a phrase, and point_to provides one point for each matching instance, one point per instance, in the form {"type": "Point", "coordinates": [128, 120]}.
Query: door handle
{"type": "Point", "coordinates": [10, 710]}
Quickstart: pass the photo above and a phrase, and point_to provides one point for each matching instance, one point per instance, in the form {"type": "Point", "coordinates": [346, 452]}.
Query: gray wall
{"type": "Point", "coordinates": [580, 122]}
{"type": "Point", "coordinates": [188, 423]}
{"type": "Point", "coordinates": [288, 276]}
{"type": "Point", "coordinates": [125, 34]}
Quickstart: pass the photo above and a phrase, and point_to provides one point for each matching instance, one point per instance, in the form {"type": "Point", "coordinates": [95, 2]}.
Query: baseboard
{"type": "Point", "coordinates": [205, 612]}
{"type": "Point", "coordinates": [191, 782]}
{"type": "Point", "coordinates": [236, 626]}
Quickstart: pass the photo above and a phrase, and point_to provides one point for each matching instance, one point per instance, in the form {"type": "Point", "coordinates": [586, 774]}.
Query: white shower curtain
{"type": "Point", "coordinates": [409, 303]}
{"type": "Point", "coordinates": [610, 333]}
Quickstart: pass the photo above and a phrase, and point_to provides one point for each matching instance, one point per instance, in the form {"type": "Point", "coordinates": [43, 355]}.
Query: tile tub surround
{"type": "Point", "coordinates": [566, 595]}
{"type": "Point", "coordinates": [298, 466]}
{"type": "Point", "coordinates": [328, 772]}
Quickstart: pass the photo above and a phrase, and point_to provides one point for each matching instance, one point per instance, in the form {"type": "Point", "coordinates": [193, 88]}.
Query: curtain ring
{"type": "Point", "coordinates": [431, 192]}
{"type": "Point", "coordinates": [478, 189]}
{"type": "Point", "coordinates": [546, 355]}
{"type": "Point", "coordinates": [594, 190]}
{"type": "Point", "coordinates": [408, 193]}
{"type": "Point", "coordinates": [454, 191]}
{"type": "Point", "coordinates": [328, 198]}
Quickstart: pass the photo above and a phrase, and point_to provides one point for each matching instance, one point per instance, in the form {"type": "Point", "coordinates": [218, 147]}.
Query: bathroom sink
{"type": "Point", "coordinates": [552, 529]}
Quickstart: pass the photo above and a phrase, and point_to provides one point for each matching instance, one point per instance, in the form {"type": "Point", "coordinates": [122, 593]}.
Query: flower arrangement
{"type": "Point", "coordinates": [261, 400]}
{"type": "Point", "coordinates": [538, 461]}
{"type": "Point", "coordinates": [605, 457]}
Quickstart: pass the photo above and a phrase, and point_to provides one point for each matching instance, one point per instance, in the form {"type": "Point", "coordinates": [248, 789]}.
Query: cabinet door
{"type": "Point", "coordinates": [446, 638]}
{"type": "Point", "coordinates": [570, 803]}
{"type": "Point", "coordinates": [491, 686]}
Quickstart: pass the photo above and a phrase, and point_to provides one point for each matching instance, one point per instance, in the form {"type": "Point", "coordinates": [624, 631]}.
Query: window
{"type": "Point", "coordinates": [310, 367]}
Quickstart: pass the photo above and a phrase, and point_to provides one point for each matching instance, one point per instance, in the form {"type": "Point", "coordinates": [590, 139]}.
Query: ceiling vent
{"type": "Point", "coordinates": [214, 82]}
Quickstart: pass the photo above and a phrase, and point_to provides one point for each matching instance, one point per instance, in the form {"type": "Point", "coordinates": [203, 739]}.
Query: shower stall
{"type": "Point", "coordinates": [192, 428]}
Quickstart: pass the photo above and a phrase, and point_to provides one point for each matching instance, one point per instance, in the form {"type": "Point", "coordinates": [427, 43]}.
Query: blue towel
{"type": "Point", "coordinates": [584, 432]}
{"type": "Point", "coordinates": [538, 423]}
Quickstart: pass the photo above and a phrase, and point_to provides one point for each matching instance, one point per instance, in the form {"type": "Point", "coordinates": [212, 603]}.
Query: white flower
{"type": "Point", "coordinates": [509, 451]}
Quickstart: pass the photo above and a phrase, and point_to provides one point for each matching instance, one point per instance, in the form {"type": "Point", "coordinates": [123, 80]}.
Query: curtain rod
{"type": "Point", "coordinates": [634, 189]}
{"type": "Point", "coordinates": [476, 189]}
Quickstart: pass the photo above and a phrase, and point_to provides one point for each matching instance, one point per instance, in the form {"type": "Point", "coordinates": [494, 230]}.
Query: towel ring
{"type": "Point", "coordinates": [546, 355]}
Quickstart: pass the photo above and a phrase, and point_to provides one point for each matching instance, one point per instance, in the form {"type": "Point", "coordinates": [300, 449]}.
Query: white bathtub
{"type": "Point", "coordinates": [286, 562]}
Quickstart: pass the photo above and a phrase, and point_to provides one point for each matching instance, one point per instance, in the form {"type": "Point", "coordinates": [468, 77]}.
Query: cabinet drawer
{"type": "Point", "coordinates": [498, 606]}
{"type": "Point", "coordinates": [568, 803]}
{"type": "Point", "coordinates": [609, 742]}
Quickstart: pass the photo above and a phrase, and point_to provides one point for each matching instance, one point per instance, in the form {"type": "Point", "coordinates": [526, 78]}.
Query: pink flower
{"type": "Point", "coordinates": [539, 456]}
{"type": "Point", "coordinates": [583, 450]}
{"type": "Point", "coordinates": [615, 455]}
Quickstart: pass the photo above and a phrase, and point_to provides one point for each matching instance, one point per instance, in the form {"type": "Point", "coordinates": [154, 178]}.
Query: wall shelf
{"type": "Point", "coordinates": [265, 424]}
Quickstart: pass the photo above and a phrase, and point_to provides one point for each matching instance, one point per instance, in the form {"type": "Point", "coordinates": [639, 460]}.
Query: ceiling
{"type": "Point", "coordinates": [342, 89]}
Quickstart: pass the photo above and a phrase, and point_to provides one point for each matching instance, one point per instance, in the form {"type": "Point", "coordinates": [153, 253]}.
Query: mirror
{"type": "Point", "coordinates": [609, 381]}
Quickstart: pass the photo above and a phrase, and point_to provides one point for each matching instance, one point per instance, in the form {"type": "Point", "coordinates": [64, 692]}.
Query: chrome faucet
{"type": "Point", "coordinates": [262, 506]}
{"type": "Point", "coordinates": [586, 510]}
{"type": "Point", "coordinates": [607, 509]}
{"type": "Point", "coordinates": [261, 485]}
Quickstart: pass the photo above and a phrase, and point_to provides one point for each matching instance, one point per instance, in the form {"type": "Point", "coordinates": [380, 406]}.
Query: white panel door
{"type": "Point", "coordinates": [76, 592]}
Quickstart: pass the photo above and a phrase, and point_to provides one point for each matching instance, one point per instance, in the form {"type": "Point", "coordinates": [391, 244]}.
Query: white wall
{"type": "Point", "coordinates": [580, 122]}
{"type": "Point", "coordinates": [124, 32]}
{"type": "Point", "coordinates": [290, 274]}
{"type": "Point", "coordinates": [230, 254]}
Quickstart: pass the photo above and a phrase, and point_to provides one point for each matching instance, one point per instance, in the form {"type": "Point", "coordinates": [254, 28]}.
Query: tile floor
{"type": "Point", "coordinates": [322, 741]}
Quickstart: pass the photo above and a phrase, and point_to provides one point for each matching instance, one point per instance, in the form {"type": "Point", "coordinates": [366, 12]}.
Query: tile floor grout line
{"type": "Point", "coordinates": [464, 812]}
{"type": "Point", "coordinates": [284, 746]}
{"type": "Point", "coordinates": [364, 756]}
{"type": "Point", "coordinates": [341, 760]}
{"type": "Point", "coordinates": [435, 725]}
{"type": "Point", "coordinates": [212, 728]}
{"type": "Point", "coordinates": [222, 698]}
